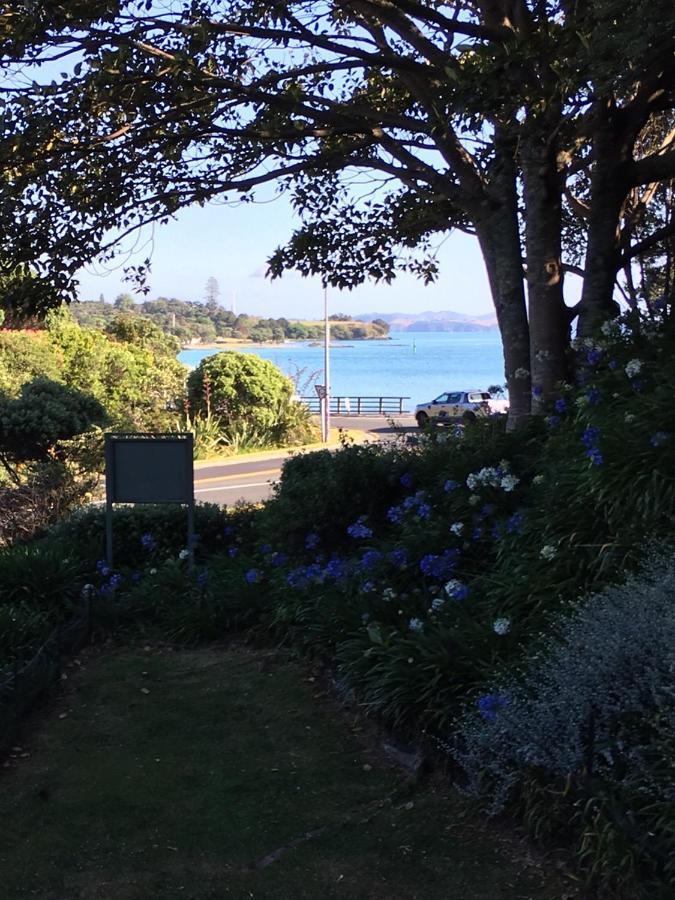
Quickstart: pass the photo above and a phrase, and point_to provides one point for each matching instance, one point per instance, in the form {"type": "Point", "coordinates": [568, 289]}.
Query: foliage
{"type": "Point", "coordinates": [583, 736]}
{"type": "Point", "coordinates": [44, 414]}
{"type": "Point", "coordinates": [189, 321]}
{"type": "Point", "coordinates": [84, 532]}
{"type": "Point", "coordinates": [137, 386]}
{"type": "Point", "coordinates": [540, 128]}
{"type": "Point", "coordinates": [40, 575]}
{"type": "Point", "coordinates": [49, 494]}
{"type": "Point", "coordinates": [25, 356]}
{"type": "Point", "coordinates": [239, 388]}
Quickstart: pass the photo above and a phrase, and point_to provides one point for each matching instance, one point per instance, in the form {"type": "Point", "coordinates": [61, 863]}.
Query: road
{"type": "Point", "coordinates": [251, 478]}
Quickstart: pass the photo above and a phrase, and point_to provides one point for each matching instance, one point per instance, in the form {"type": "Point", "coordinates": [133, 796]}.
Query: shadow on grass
{"type": "Point", "coordinates": [225, 772]}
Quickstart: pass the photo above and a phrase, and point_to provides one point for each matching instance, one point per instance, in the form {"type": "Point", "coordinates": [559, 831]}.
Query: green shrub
{"type": "Point", "coordinates": [22, 629]}
{"type": "Point", "coordinates": [39, 575]}
{"type": "Point", "coordinates": [84, 532]}
{"type": "Point", "coordinates": [239, 387]}
{"type": "Point", "coordinates": [582, 738]}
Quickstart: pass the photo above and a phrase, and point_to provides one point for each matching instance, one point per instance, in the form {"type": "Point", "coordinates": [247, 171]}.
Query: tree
{"type": "Point", "coordinates": [521, 122]}
{"type": "Point", "coordinates": [124, 303]}
{"type": "Point", "coordinates": [44, 413]}
{"type": "Point", "coordinates": [239, 387]}
{"type": "Point", "coordinates": [212, 292]}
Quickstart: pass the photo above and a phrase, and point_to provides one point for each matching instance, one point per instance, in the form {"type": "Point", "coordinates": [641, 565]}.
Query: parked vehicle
{"type": "Point", "coordinates": [459, 405]}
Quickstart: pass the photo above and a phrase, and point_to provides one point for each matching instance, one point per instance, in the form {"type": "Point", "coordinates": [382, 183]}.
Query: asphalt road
{"type": "Point", "coordinates": [251, 478]}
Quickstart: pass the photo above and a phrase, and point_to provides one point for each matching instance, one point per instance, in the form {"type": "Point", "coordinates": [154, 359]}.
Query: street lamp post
{"type": "Point", "coordinates": [325, 424]}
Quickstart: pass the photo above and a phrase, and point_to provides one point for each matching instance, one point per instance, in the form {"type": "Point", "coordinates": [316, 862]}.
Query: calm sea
{"type": "Point", "coordinates": [419, 366]}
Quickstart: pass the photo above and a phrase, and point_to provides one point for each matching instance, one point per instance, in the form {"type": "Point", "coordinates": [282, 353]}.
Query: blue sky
{"type": "Point", "coordinates": [232, 243]}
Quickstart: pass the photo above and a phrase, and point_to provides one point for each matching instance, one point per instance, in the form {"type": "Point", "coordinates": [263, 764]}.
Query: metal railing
{"type": "Point", "coordinates": [359, 406]}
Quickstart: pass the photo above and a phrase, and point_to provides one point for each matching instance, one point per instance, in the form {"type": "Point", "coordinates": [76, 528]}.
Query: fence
{"type": "Point", "coordinates": [359, 406]}
{"type": "Point", "coordinates": [28, 680]}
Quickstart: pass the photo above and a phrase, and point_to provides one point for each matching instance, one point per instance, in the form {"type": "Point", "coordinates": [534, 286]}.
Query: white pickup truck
{"type": "Point", "coordinates": [459, 405]}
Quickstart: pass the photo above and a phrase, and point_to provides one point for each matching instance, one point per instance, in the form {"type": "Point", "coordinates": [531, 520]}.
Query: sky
{"type": "Point", "coordinates": [232, 244]}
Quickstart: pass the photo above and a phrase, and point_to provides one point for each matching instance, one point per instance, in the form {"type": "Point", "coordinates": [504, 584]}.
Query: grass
{"type": "Point", "coordinates": [227, 772]}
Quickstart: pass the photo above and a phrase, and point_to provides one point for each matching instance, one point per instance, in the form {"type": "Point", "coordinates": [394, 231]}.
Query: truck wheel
{"type": "Point", "coordinates": [422, 419]}
{"type": "Point", "coordinates": [469, 416]}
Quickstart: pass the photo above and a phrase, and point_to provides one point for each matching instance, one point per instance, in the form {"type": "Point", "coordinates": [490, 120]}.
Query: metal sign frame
{"type": "Point", "coordinates": [145, 467]}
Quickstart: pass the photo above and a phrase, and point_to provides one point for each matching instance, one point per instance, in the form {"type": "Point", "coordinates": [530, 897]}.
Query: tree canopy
{"type": "Point", "coordinates": [543, 127]}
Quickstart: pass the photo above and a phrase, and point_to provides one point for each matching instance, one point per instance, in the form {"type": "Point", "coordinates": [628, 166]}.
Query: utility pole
{"type": "Point", "coordinates": [326, 365]}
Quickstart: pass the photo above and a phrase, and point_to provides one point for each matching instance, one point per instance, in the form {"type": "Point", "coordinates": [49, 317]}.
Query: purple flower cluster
{"type": "Point", "coordinates": [148, 542]}
{"type": "Point", "coordinates": [439, 565]}
{"type": "Point", "coordinates": [490, 704]}
{"type": "Point", "coordinates": [370, 559]}
{"type": "Point", "coordinates": [312, 541]}
{"type": "Point", "coordinates": [514, 524]}
{"type": "Point", "coordinates": [590, 439]}
{"type": "Point", "coordinates": [359, 529]}
{"type": "Point", "coordinates": [399, 557]}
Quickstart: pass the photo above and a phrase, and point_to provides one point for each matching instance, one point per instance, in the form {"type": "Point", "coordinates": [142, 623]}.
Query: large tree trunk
{"type": "Point", "coordinates": [498, 234]}
{"type": "Point", "coordinates": [608, 193]}
{"type": "Point", "coordinates": [549, 320]}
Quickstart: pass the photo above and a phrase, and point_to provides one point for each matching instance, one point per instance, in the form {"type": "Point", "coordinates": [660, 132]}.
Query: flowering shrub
{"type": "Point", "coordinates": [593, 714]}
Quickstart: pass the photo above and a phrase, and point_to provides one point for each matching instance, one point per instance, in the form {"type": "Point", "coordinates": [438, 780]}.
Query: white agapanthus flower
{"type": "Point", "coordinates": [548, 552]}
{"type": "Point", "coordinates": [416, 625]}
{"type": "Point", "coordinates": [437, 603]}
{"type": "Point", "coordinates": [538, 479]}
{"type": "Point", "coordinates": [457, 528]}
{"type": "Point", "coordinates": [633, 367]}
{"type": "Point", "coordinates": [388, 594]}
{"type": "Point", "coordinates": [474, 500]}
{"type": "Point", "coordinates": [521, 374]}
{"type": "Point", "coordinates": [183, 554]}
{"type": "Point", "coordinates": [509, 482]}
{"type": "Point", "coordinates": [629, 418]}
{"type": "Point", "coordinates": [453, 586]}
{"type": "Point", "coordinates": [501, 626]}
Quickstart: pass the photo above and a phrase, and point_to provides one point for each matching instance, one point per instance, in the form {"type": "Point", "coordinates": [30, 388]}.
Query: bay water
{"type": "Point", "coordinates": [418, 365]}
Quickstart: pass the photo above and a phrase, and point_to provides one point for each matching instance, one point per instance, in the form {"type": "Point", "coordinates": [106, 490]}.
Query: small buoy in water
{"type": "Point", "coordinates": [414, 347]}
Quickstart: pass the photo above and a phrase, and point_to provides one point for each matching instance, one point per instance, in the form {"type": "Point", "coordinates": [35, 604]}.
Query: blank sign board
{"type": "Point", "coordinates": [149, 468]}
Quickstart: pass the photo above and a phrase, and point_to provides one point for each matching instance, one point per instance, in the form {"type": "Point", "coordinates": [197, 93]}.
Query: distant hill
{"type": "Point", "coordinates": [444, 320]}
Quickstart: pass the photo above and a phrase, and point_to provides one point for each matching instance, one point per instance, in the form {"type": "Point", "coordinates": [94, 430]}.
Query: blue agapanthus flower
{"type": "Point", "coordinates": [658, 439]}
{"type": "Point", "coordinates": [593, 356]}
{"type": "Point", "coordinates": [336, 568]}
{"type": "Point", "coordinates": [537, 390]}
{"type": "Point", "coordinates": [102, 568]}
{"type": "Point", "coordinates": [312, 541]}
{"type": "Point", "coordinates": [490, 704]}
{"type": "Point", "coordinates": [590, 436]}
{"type": "Point", "coordinates": [560, 405]}
{"type": "Point", "coordinates": [233, 551]}
{"type": "Point", "coordinates": [593, 396]}
{"type": "Point", "coordinates": [450, 486]}
{"type": "Point", "coordinates": [202, 578]}
{"type": "Point", "coordinates": [595, 456]}
{"type": "Point", "coordinates": [439, 565]}
{"type": "Point", "coordinates": [370, 559]}
{"type": "Point", "coordinates": [278, 559]}
{"type": "Point", "coordinates": [395, 515]}
{"type": "Point", "coordinates": [253, 576]}
{"type": "Point", "coordinates": [399, 557]}
{"type": "Point", "coordinates": [406, 480]}
{"type": "Point", "coordinates": [514, 524]}
{"type": "Point", "coordinates": [148, 542]}
{"type": "Point", "coordinates": [553, 421]}
{"type": "Point", "coordinates": [359, 529]}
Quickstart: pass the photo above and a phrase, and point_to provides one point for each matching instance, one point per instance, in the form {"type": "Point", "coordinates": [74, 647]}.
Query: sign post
{"type": "Point", "coordinates": [149, 468]}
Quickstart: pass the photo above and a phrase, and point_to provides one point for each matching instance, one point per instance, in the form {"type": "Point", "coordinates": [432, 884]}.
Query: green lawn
{"type": "Point", "coordinates": [226, 772]}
